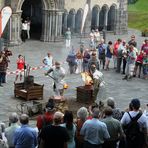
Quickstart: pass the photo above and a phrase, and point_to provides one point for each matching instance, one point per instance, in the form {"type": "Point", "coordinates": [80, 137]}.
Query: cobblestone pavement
{"type": "Point", "coordinates": [34, 51]}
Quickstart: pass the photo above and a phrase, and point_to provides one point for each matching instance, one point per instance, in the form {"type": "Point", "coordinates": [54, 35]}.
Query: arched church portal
{"type": "Point", "coordinates": [32, 10]}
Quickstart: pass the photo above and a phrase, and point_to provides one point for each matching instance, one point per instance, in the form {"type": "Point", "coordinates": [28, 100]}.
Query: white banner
{"type": "Point", "coordinates": [84, 16]}
{"type": "Point", "coordinates": [5, 14]}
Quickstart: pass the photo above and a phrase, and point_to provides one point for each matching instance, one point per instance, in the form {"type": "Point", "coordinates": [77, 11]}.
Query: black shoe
{"type": "Point", "coordinates": [138, 76]}
{"type": "Point", "coordinates": [125, 78]}
{"type": "Point", "coordinates": [134, 75]}
{"type": "Point", "coordinates": [1, 85]}
{"type": "Point", "coordinates": [123, 73]}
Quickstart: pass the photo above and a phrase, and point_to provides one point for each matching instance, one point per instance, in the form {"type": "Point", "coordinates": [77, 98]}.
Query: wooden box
{"type": "Point", "coordinates": [34, 91]}
{"type": "Point", "coordinates": [84, 94]}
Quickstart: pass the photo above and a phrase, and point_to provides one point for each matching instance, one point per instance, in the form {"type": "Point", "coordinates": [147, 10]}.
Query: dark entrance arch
{"type": "Point", "coordinates": [33, 10]}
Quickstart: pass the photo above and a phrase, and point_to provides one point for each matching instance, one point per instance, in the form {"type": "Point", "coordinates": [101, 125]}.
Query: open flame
{"type": "Point", "coordinates": [86, 78]}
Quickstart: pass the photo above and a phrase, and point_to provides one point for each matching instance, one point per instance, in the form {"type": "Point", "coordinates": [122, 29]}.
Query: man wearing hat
{"type": "Point", "coordinates": [58, 74]}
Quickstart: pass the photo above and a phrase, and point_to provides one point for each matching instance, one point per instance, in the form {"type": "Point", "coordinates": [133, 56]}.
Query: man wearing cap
{"type": "Point", "coordinates": [55, 136]}
{"type": "Point", "coordinates": [143, 123]}
{"type": "Point", "coordinates": [58, 74]}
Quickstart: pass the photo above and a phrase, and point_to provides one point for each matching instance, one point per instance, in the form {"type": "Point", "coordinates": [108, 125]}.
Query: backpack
{"type": "Point", "coordinates": [133, 133]}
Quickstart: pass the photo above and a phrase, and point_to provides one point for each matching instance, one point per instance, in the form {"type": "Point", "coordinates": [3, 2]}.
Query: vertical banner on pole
{"type": "Point", "coordinates": [5, 15]}
{"type": "Point", "coordinates": [86, 8]}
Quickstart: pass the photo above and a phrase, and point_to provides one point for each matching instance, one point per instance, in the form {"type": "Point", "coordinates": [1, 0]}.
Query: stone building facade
{"type": "Point", "coordinates": [50, 18]}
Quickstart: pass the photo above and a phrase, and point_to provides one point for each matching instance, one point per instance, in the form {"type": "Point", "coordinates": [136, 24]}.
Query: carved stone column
{"type": "Point", "coordinates": [97, 19]}
{"type": "Point", "coordinates": [14, 29]}
{"type": "Point", "coordinates": [105, 19]}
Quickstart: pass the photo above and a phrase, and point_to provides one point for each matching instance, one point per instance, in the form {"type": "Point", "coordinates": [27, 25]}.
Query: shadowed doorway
{"type": "Point", "coordinates": [32, 9]}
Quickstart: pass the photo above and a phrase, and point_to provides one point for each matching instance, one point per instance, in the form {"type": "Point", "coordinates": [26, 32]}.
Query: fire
{"type": "Point", "coordinates": [86, 78]}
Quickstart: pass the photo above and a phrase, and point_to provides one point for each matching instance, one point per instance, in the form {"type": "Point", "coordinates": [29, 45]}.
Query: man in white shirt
{"type": "Point", "coordinates": [24, 31]}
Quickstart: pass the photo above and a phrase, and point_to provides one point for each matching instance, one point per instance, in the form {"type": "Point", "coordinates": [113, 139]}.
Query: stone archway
{"type": "Point", "coordinates": [95, 17]}
{"type": "Point", "coordinates": [78, 20]}
{"type": "Point", "coordinates": [103, 17]}
{"type": "Point", "coordinates": [32, 9]}
{"type": "Point", "coordinates": [111, 18]}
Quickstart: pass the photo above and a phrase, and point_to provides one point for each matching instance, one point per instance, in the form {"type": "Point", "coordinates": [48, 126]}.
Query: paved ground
{"type": "Point", "coordinates": [34, 51]}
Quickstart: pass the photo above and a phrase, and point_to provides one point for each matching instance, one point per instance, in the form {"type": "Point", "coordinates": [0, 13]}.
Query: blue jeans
{"type": "Point", "coordinates": [2, 77]}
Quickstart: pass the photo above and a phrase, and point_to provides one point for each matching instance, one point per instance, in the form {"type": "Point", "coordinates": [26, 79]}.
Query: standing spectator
{"type": "Point", "coordinates": [96, 37]}
{"type": "Point", "coordinates": [132, 41]}
{"type": "Point", "coordinates": [72, 61]}
{"type": "Point", "coordinates": [82, 115]}
{"type": "Point", "coordinates": [3, 67]}
{"type": "Point", "coordinates": [47, 117]}
{"type": "Point", "coordinates": [93, 61]}
{"type": "Point", "coordinates": [48, 61]}
{"type": "Point", "coordinates": [86, 58]}
{"type": "Point", "coordinates": [101, 51]}
{"type": "Point", "coordinates": [24, 31]}
{"type": "Point", "coordinates": [70, 127]}
{"type": "Point", "coordinates": [114, 128]}
{"type": "Point", "coordinates": [139, 139]}
{"type": "Point", "coordinates": [115, 52]}
{"type": "Point", "coordinates": [68, 38]}
{"type": "Point", "coordinates": [109, 53]}
{"type": "Point", "coordinates": [7, 53]}
{"type": "Point", "coordinates": [92, 39]}
{"type": "Point", "coordinates": [121, 47]}
{"type": "Point", "coordinates": [124, 57]}
{"type": "Point", "coordinates": [28, 27]}
{"type": "Point", "coordinates": [145, 66]}
{"type": "Point", "coordinates": [20, 66]}
{"type": "Point", "coordinates": [145, 47]}
{"type": "Point", "coordinates": [130, 63]}
{"type": "Point", "coordinates": [117, 114]}
{"type": "Point", "coordinates": [138, 64]}
{"type": "Point", "coordinates": [55, 136]}
{"type": "Point", "coordinates": [25, 137]}
{"type": "Point", "coordinates": [9, 131]}
{"type": "Point", "coordinates": [3, 139]}
{"type": "Point", "coordinates": [94, 131]}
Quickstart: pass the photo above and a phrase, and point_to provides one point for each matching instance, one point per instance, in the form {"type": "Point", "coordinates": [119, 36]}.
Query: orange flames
{"type": "Point", "coordinates": [86, 78]}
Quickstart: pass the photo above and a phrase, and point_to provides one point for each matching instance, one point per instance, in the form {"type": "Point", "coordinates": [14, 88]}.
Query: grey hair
{"type": "Point", "coordinates": [82, 113]}
{"type": "Point", "coordinates": [111, 102]}
{"type": "Point", "coordinates": [24, 119]}
{"type": "Point", "coordinates": [13, 118]}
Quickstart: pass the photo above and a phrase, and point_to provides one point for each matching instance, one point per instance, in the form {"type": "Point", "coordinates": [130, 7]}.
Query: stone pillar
{"type": "Point", "coordinates": [65, 21]}
{"type": "Point", "coordinates": [105, 19]}
{"type": "Point", "coordinates": [97, 19]}
{"type": "Point", "coordinates": [122, 18]}
{"type": "Point", "coordinates": [73, 22]}
{"type": "Point", "coordinates": [14, 29]}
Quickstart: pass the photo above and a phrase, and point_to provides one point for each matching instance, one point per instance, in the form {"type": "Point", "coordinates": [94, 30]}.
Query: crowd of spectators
{"type": "Point", "coordinates": [89, 128]}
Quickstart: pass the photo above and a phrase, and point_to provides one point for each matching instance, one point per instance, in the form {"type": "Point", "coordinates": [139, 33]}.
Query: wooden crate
{"type": "Point", "coordinates": [30, 93]}
{"type": "Point", "coordinates": [84, 94]}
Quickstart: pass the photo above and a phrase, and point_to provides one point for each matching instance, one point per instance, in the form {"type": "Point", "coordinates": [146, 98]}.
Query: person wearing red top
{"type": "Point", "coordinates": [145, 47]}
{"type": "Point", "coordinates": [115, 52]}
{"type": "Point", "coordinates": [20, 66]}
{"type": "Point", "coordinates": [138, 63]}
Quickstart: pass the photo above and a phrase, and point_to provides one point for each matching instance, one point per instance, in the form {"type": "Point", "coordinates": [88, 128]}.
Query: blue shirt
{"type": "Point", "coordinates": [94, 131]}
{"type": "Point", "coordinates": [25, 137]}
